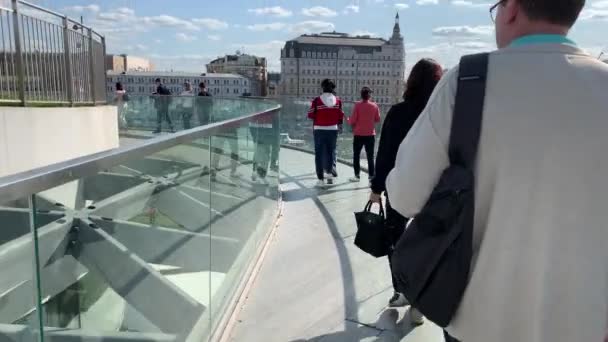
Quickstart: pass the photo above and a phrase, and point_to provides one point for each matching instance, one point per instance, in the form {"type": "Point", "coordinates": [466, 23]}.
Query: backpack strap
{"type": "Point", "coordinates": [468, 110]}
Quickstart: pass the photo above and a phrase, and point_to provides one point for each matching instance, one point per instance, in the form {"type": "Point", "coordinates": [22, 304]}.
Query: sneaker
{"type": "Point", "coordinates": [330, 181]}
{"type": "Point", "coordinates": [398, 300]}
{"type": "Point", "coordinates": [254, 176]}
{"type": "Point", "coordinates": [416, 317]}
{"type": "Point", "coordinates": [320, 184]}
{"type": "Point", "coordinates": [354, 179]}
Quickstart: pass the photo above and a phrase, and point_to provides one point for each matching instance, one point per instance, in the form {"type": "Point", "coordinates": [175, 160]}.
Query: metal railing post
{"type": "Point", "coordinates": [105, 68]}
{"type": "Point", "coordinates": [92, 66]}
{"type": "Point", "coordinates": [20, 70]}
{"type": "Point", "coordinates": [68, 60]}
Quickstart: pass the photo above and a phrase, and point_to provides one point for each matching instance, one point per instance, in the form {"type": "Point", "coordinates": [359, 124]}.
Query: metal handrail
{"type": "Point", "coordinates": [47, 60]}
{"type": "Point", "coordinates": [22, 184]}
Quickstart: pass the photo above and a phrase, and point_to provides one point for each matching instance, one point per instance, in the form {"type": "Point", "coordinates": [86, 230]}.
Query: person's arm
{"type": "Point", "coordinates": [385, 157]}
{"type": "Point", "coordinates": [377, 118]}
{"type": "Point", "coordinates": [313, 109]}
{"type": "Point", "coordinates": [423, 155]}
{"type": "Point", "coordinates": [352, 120]}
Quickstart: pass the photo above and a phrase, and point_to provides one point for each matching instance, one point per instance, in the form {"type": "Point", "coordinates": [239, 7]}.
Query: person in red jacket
{"type": "Point", "coordinates": [327, 115]}
{"type": "Point", "coordinates": [366, 115]}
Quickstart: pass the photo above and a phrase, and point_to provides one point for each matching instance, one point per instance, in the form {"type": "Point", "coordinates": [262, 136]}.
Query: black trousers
{"type": "Point", "coordinates": [359, 142]}
{"type": "Point", "coordinates": [396, 222]}
{"type": "Point", "coordinates": [162, 113]}
{"type": "Point", "coordinates": [449, 338]}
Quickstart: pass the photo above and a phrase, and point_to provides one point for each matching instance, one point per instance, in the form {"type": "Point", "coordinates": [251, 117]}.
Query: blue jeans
{"type": "Point", "coordinates": [325, 151]}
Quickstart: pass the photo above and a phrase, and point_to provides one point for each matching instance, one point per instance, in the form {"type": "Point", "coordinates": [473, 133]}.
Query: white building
{"type": "Point", "coordinates": [142, 83]}
{"type": "Point", "coordinates": [352, 62]}
{"type": "Point", "coordinates": [252, 67]}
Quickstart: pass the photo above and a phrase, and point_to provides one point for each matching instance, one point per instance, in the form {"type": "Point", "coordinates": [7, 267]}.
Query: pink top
{"type": "Point", "coordinates": [365, 116]}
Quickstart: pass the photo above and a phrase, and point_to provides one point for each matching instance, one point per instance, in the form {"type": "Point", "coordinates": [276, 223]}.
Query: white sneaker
{"type": "Point", "coordinates": [320, 183]}
{"type": "Point", "coordinates": [354, 179]}
{"type": "Point", "coordinates": [416, 317]}
{"type": "Point", "coordinates": [398, 300]}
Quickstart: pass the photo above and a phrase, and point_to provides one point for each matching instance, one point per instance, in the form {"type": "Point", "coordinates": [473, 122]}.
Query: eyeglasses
{"type": "Point", "coordinates": [493, 10]}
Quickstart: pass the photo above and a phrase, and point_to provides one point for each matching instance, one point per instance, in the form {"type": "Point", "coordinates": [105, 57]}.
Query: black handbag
{"type": "Point", "coordinates": [372, 233]}
{"type": "Point", "coordinates": [431, 261]}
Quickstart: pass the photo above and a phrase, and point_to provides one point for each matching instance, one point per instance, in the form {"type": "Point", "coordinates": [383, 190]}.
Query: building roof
{"type": "Point", "coordinates": [340, 39]}
{"type": "Point", "coordinates": [172, 74]}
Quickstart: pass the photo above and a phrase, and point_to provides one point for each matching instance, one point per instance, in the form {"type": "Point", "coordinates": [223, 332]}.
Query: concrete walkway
{"type": "Point", "coordinates": [315, 284]}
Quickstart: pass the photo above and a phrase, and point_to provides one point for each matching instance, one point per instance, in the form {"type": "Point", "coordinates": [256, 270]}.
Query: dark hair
{"type": "Point", "coordinates": [328, 86]}
{"type": "Point", "coordinates": [119, 86]}
{"type": "Point", "coordinates": [202, 85]}
{"type": "Point", "coordinates": [158, 80]}
{"type": "Point", "coordinates": [558, 12]}
{"type": "Point", "coordinates": [366, 93]}
{"type": "Point", "coordinates": [422, 81]}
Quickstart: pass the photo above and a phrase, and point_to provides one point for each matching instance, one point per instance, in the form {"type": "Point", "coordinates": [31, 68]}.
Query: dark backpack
{"type": "Point", "coordinates": [432, 259]}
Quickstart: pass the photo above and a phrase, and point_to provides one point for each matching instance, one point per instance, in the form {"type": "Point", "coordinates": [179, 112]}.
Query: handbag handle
{"type": "Point", "coordinates": [368, 207]}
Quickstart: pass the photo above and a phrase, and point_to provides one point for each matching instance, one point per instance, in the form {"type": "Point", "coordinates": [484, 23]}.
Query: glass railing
{"type": "Point", "coordinates": [149, 242]}
{"type": "Point", "coordinates": [175, 113]}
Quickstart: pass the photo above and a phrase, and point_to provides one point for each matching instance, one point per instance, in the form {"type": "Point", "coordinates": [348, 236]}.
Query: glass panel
{"type": "Point", "coordinates": [132, 255]}
{"type": "Point", "coordinates": [18, 287]}
{"type": "Point", "coordinates": [244, 196]}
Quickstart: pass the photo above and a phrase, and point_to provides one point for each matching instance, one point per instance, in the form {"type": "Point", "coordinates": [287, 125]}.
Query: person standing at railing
{"type": "Point", "coordinates": [364, 118]}
{"type": "Point", "coordinates": [161, 101]}
{"type": "Point", "coordinates": [327, 115]}
{"type": "Point", "coordinates": [203, 105]}
{"type": "Point", "coordinates": [121, 99]}
{"type": "Point", "coordinates": [397, 123]}
{"type": "Point", "coordinates": [186, 104]}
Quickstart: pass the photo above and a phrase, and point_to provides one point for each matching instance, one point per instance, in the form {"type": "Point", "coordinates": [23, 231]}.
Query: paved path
{"type": "Point", "coordinates": [314, 284]}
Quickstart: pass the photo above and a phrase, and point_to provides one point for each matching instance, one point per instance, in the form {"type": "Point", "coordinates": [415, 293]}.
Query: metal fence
{"type": "Point", "coordinates": [46, 57]}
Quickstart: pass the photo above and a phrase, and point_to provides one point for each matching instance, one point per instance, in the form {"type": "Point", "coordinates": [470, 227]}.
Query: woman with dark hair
{"type": "Point", "coordinates": [399, 119]}
{"type": "Point", "coordinates": [366, 115]}
{"type": "Point", "coordinates": [327, 115]}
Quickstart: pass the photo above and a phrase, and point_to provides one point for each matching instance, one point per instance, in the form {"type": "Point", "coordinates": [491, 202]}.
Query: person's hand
{"type": "Point", "coordinates": [375, 198]}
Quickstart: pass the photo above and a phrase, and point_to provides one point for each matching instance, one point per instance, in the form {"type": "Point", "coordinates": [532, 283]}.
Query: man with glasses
{"type": "Point", "coordinates": [540, 266]}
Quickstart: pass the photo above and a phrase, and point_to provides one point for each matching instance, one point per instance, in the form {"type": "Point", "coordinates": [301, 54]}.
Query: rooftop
{"type": "Point", "coordinates": [173, 74]}
{"type": "Point", "coordinates": [335, 38]}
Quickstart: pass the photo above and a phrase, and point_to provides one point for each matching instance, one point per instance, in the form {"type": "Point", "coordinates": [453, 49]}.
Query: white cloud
{"type": "Point", "coordinates": [312, 26]}
{"type": "Point", "coordinates": [319, 11]}
{"type": "Point", "coordinates": [211, 23]}
{"type": "Point", "coordinates": [600, 4]}
{"type": "Point", "coordinates": [471, 4]}
{"type": "Point", "coordinates": [183, 37]}
{"type": "Point", "coordinates": [214, 37]}
{"type": "Point", "coordinates": [169, 21]}
{"type": "Point", "coordinates": [266, 27]}
{"type": "Point", "coordinates": [447, 54]}
{"type": "Point", "coordinates": [364, 33]}
{"type": "Point", "coordinates": [594, 14]}
{"type": "Point", "coordinates": [462, 31]}
{"type": "Point", "coordinates": [402, 6]}
{"type": "Point", "coordinates": [121, 15]}
{"type": "Point", "coordinates": [158, 41]}
{"type": "Point", "coordinates": [81, 9]}
{"type": "Point", "coordinates": [351, 9]}
{"type": "Point", "coordinates": [427, 2]}
{"type": "Point", "coordinates": [276, 11]}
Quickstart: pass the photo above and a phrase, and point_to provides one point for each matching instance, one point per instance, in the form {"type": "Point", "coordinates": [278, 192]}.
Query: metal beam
{"type": "Point", "coordinates": [160, 301]}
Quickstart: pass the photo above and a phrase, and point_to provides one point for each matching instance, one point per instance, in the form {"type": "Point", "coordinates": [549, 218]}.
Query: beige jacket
{"type": "Point", "coordinates": [540, 271]}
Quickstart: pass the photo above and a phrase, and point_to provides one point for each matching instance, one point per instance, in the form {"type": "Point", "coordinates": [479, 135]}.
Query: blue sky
{"type": "Point", "coordinates": [184, 34]}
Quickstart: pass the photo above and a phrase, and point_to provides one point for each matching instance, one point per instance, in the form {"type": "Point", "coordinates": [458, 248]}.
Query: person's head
{"type": "Point", "coordinates": [187, 86]}
{"type": "Point", "coordinates": [119, 86]}
{"type": "Point", "coordinates": [328, 86]}
{"type": "Point", "coordinates": [157, 81]}
{"type": "Point", "coordinates": [202, 86]}
{"type": "Point", "coordinates": [517, 18]}
{"type": "Point", "coordinates": [422, 81]}
{"type": "Point", "coordinates": [366, 93]}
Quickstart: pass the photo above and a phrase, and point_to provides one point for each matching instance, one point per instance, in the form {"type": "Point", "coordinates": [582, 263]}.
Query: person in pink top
{"type": "Point", "coordinates": [366, 115]}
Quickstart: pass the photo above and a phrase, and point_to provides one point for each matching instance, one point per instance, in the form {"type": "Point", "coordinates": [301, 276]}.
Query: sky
{"type": "Point", "coordinates": [182, 35]}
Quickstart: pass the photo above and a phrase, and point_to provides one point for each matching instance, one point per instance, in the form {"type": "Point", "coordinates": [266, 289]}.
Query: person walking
{"type": "Point", "coordinates": [327, 115]}
{"type": "Point", "coordinates": [187, 105]}
{"type": "Point", "coordinates": [161, 101]}
{"type": "Point", "coordinates": [539, 270]}
{"type": "Point", "coordinates": [203, 105]}
{"type": "Point", "coordinates": [366, 115]}
{"type": "Point", "coordinates": [121, 99]}
{"type": "Point", "coordinates": [420, 84]}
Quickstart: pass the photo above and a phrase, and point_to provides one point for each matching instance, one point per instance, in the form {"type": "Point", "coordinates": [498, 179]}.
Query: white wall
{"type": "Point", "coordinates": [37, 137]}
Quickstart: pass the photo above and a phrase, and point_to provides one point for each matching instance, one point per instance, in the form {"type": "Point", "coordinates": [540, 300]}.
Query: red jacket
{"type": "Point", "coordinates": [326, 111]}
{"type": "Point", "coordinates": [365, 116]}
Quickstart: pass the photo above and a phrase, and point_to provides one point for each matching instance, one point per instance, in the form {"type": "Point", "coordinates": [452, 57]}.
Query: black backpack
{"type": "Point", "coordinates": [432, 259]}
